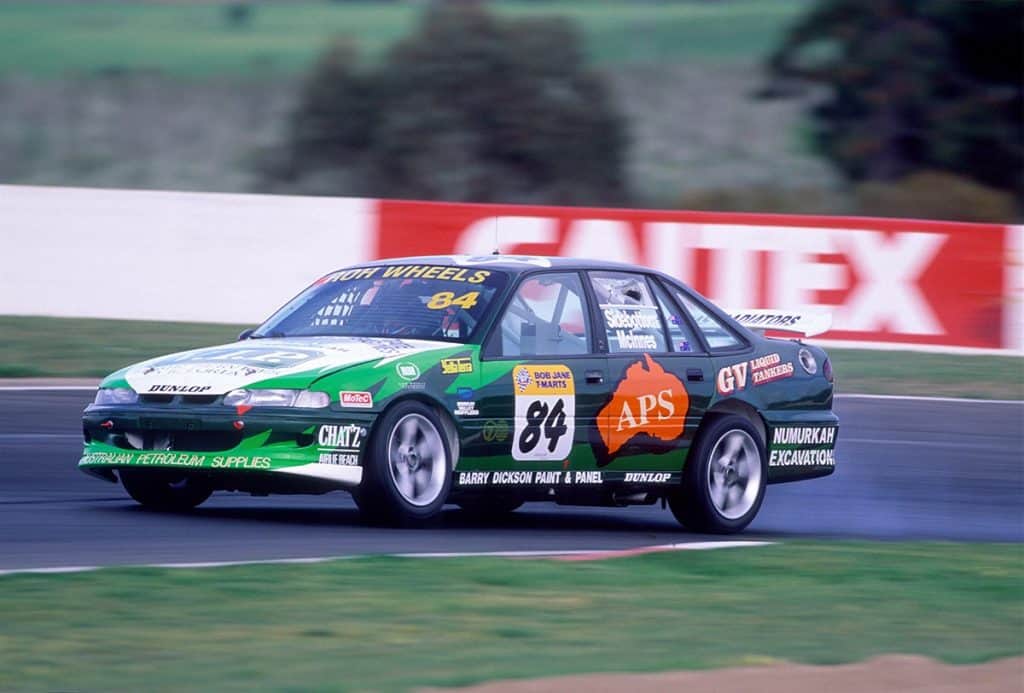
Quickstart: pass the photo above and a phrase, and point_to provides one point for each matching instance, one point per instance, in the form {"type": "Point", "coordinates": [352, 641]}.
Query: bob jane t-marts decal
{"type": "Point", "coordinates": [545, 412]}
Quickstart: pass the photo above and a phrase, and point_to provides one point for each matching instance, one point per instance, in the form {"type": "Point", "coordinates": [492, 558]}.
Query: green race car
{"type": "Point", "coordinates": [481, 381]}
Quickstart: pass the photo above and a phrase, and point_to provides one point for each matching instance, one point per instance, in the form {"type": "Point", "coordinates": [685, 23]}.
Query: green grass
{"type": "Point", "coordinates": [936, 375]}
{"type": "Point", "coordinates": [64, 347]}
{"type": "Point", "coordinates": [388, 623]}
{"type": "Point", "coordinates": [194, 39]}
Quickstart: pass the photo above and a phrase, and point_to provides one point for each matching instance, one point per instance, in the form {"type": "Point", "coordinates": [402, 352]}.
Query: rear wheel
{"type": "Point", "coordinates": [408, 474]}
{"type": "Point", "coordinates": [724, 478]}
{"type": "Point", "coordinates": [165, 490]}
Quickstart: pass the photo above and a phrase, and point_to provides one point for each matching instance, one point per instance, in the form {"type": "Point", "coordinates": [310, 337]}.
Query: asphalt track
{"type": "Point", "coordinates": [908, 469]}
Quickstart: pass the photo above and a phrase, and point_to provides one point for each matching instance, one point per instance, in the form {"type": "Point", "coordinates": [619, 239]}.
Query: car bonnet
{"type": "Point", "coordinates": [220, 369]}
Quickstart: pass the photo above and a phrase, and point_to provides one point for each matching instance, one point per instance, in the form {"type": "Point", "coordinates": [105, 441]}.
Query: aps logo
{"type": "Point", "coordinates": [649, 401]}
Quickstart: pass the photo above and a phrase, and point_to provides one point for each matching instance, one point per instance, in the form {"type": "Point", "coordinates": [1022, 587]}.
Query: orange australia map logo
{"type": "Point", "coordinates": [649, 405]}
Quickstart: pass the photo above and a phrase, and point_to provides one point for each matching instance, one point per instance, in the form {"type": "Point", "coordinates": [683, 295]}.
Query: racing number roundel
{"type": "Point", "coordinates": [545, 412]}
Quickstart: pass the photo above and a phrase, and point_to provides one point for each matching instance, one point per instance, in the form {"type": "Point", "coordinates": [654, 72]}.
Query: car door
{"type": "Point", "coordinates": [542, 383]}
{"type": "Point", "coordinates": [661, 380]}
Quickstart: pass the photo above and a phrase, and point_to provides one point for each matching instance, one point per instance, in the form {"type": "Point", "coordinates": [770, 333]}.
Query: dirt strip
{"type": "Point", "coordinates": [49, 382]}
{"type": "Point", "coordinates": [884, 674]}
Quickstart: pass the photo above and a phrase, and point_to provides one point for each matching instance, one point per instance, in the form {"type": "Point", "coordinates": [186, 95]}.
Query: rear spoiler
{"type": "Point", "coordinates": [791, 322]}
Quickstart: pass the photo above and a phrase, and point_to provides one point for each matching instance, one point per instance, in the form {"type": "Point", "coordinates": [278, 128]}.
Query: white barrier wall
{"type": "Point", "coordinates": [170, 256]}
{"type": "Point", "coordinates": [890, 283]}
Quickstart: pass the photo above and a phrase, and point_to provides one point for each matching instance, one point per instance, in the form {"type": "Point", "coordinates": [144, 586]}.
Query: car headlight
{"type": "Point", "coordinates": [277, 398]}
{"type": "Point", "coordinates": [116, 395]}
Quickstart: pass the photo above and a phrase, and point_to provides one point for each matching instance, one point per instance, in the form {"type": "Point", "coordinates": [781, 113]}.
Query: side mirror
{"type": "Point", "coordinates": [245, 334]}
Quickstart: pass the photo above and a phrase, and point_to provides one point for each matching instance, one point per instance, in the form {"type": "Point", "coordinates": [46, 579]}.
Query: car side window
{"type": "Point", "coordinates": [631, 317]}
{"type": "Point", "coordinates": [716, 333]}
{"type": "Point", "coordinates": [680, 333]}
{"type": "Point", "coordinates": [546, 317]}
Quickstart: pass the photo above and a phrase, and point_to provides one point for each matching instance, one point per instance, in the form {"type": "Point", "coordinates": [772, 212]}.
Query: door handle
{"type": "Point", "coordinates": [594, 376]}
{"type": "Point", "coordinates": [695, 374]}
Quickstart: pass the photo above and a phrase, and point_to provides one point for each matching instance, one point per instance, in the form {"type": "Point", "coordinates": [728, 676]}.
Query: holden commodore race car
{"type": "Point", "coordinates": [484, 382]}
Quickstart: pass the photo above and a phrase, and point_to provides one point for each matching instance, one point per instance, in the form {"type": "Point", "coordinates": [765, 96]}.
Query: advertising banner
{"type": "Point", "coordinates": [886, 281]}
{"type": "Point", "coordinates": [147, 255]}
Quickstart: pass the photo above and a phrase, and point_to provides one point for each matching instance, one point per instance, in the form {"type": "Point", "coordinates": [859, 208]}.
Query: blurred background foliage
{"type": "Point", "coordinates": [887, 107]}
{"type": "Point", "coordinates": [470, 107]}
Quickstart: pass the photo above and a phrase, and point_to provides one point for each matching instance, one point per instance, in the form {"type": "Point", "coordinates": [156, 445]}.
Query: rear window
{"type": "Point", "coordinates": [412, 301]}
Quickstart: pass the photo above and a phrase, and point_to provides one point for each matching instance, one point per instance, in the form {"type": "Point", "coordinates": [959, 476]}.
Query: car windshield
{"type": "Point", "coordinates": [411, 301]}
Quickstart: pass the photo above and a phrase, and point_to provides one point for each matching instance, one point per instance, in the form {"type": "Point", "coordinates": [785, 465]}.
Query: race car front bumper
{"type": "Point", "coordinates": [279, 451]}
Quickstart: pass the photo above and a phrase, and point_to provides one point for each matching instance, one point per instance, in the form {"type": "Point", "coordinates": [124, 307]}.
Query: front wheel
{"type": "Point", "coordinates": [165, 490]}
{"type": "Point", "coordinates": [408, 473]}
{"type": "Point", "coordinates": [724, 478]}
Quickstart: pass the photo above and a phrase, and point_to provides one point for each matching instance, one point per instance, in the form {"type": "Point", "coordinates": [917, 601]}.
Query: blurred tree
{"type": "Point", "coordinates": [914, 85]}
{"type": "Point", "coordinates": [238, 14]}
{"type": "Point", "coordinates": [470, 107]}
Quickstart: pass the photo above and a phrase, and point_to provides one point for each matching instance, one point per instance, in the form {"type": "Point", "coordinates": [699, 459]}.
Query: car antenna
{"type": "Point", "coordinates": [497, 249]}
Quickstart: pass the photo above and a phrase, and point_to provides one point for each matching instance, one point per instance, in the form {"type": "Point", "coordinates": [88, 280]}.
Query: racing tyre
{"type": "Point", "coordinates": [408, 473]}
{"type": "Point", "coordinates": [724, 478]}
{"type": "Point", "coordinates": [165, 490]}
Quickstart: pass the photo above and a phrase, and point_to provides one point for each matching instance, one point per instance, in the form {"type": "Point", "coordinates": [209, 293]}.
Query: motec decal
{"type": "Point", "coordinates": [649, 404]}
{"type": "Point", "coordinates": [355, 400]}
{"type": "Point", "coordinates": [545, 412]}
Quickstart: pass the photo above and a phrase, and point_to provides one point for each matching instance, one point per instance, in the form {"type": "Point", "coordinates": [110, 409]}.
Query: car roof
{"type": "Point", "coordinates": [514, 264]}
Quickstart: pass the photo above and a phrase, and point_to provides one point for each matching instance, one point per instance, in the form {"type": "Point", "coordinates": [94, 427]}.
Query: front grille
{"type": "Point", "coordinates": [178, 399]}
{"type": "Point", "coordinates": [199, 399]}
{"type": "Point", "coordinates": [186, 441]}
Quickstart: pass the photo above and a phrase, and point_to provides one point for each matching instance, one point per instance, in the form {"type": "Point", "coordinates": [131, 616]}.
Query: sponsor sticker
{"type": "Point", "coordinates": [457, 366]}
{"type": "Point", "coordinates": [466, 409]}
{"type": "Point", "coordinates": [407, 370]}
{"type": "Point", "coordinates": [647, 477]}
{"type": "Point", "coordinates": [648, 402]}
{"type": "Point", "coordinates": [802, 458]}
{"type": "Point", "coordinates": [545, 412]}
{"type": "Point", "coordinates": [179, 389]}
{"type": "Point", "coordinates": [440, 272]}
{"type": "Point", "coordinates": [495, 431]}
{"type": "Point", "coordinates": [766, 319]}
{"type": "Point", "coordinates": [526, 478]}
{"type": "Point", "coordinates": [355, 400]}
{"type": "Point", "coordinates": [758, 371]}
{"type": "Point", "coordinates": [340, 444]}
{"type": "Point", "coordinates": [346, 436]}
{"type": "Point", "coordinates": [174, 459]}
{"type": "Point", "coordinates": [802, 446]}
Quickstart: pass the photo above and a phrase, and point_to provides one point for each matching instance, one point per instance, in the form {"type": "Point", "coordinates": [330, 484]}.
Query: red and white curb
{"type": "Point", "coordinates": [567, 555]}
